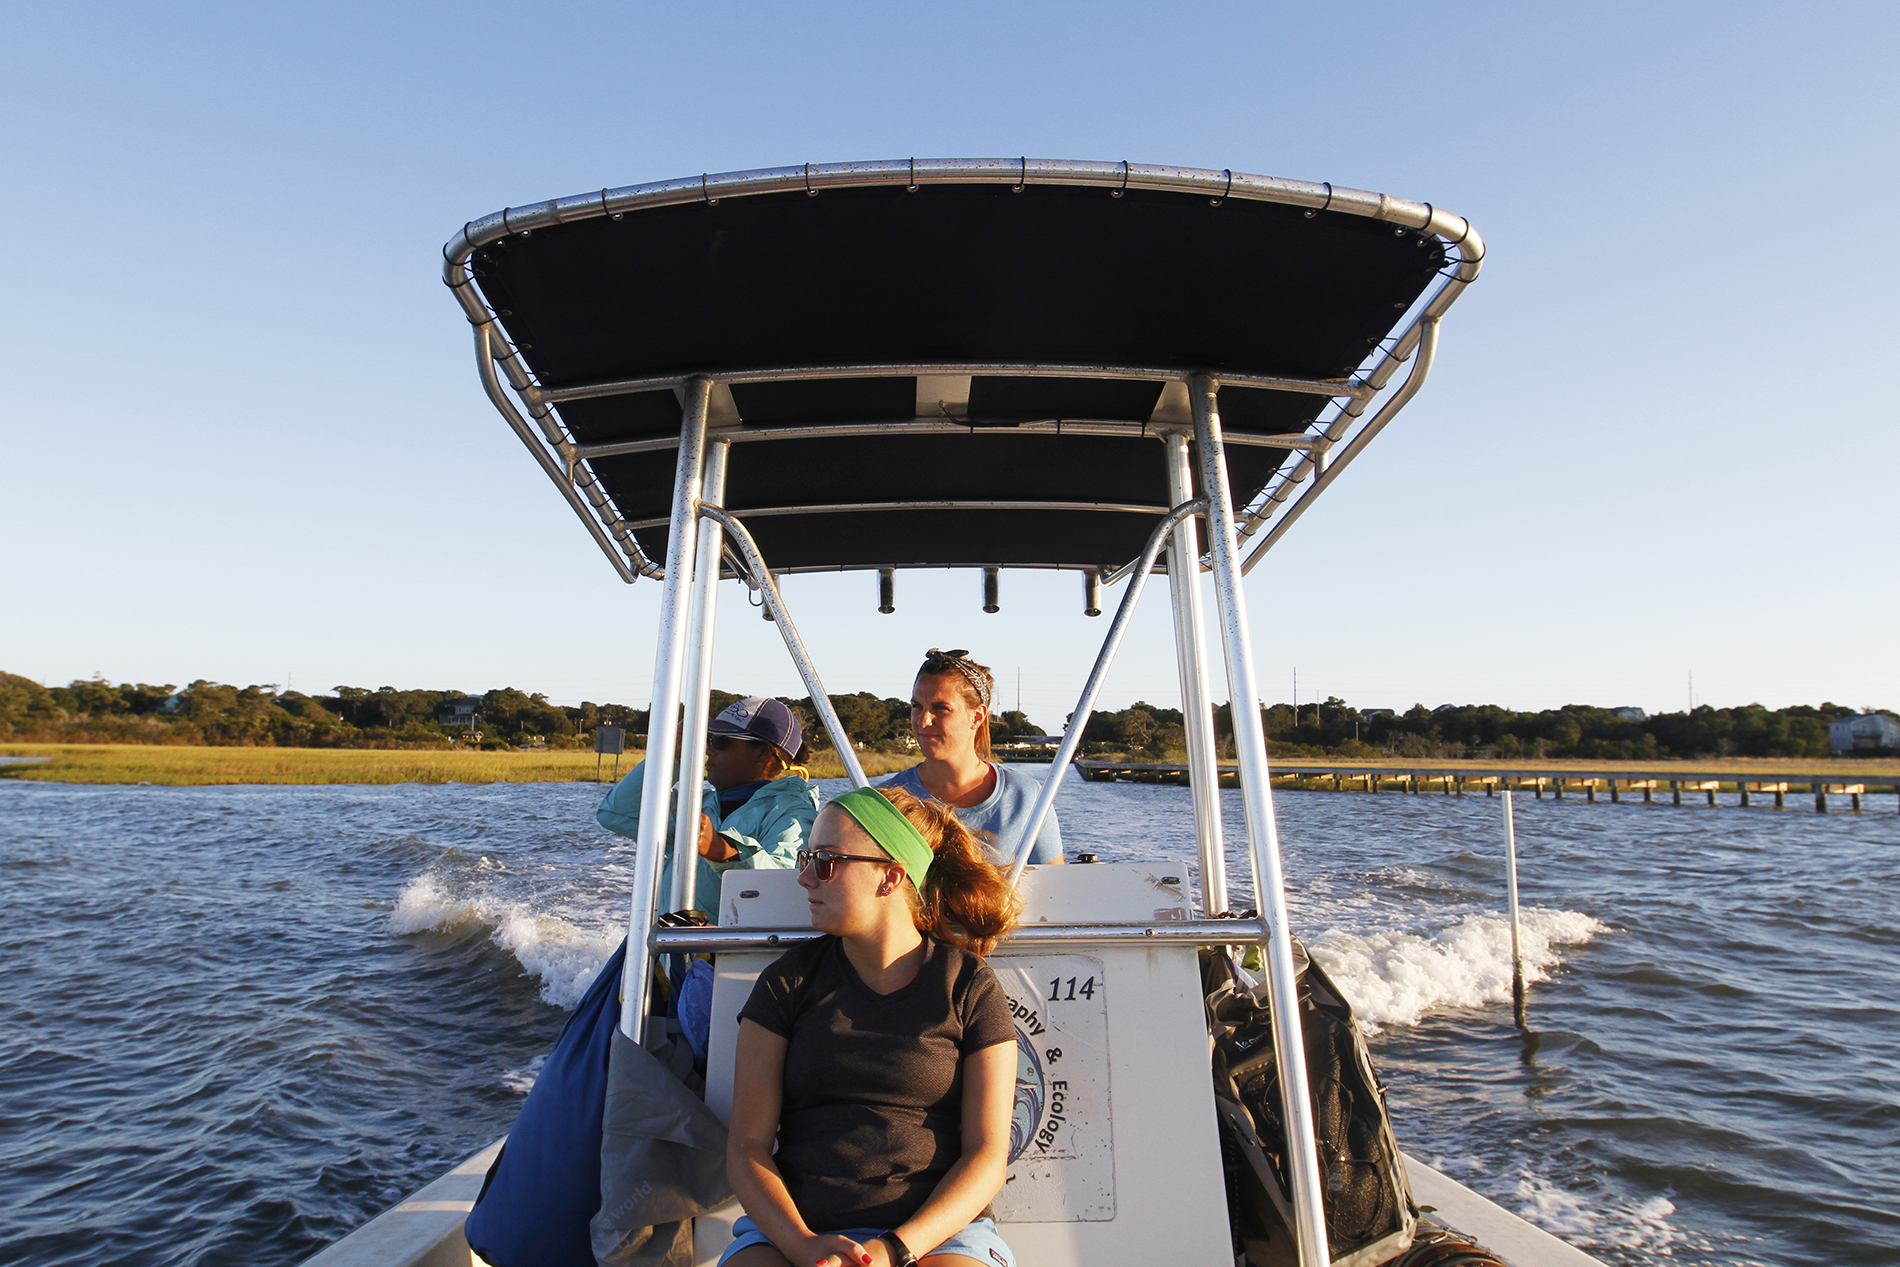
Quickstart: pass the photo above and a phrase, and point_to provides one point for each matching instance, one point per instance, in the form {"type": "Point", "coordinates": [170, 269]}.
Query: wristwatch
{"type": "Point", "coordinates": [900, 1252]}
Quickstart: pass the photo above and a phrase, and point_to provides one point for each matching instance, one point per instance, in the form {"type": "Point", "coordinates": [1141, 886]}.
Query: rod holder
{"type": "Point", "coordinates": [991, 578]}
{"type": "Point", "coordinates": [1092, 592]}
{"type": "Point", "coordinates": [887, 590]}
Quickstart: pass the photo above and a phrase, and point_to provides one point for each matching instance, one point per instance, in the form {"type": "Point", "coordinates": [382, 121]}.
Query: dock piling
{"type": "Point", "coordinates": [1510, 885]}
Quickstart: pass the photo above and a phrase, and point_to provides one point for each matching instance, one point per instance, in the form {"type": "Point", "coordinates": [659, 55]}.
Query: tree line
{"type": "Point", "coordinates": [203, 712]}
{"type": "Point", "coordinates": [1486, 731]}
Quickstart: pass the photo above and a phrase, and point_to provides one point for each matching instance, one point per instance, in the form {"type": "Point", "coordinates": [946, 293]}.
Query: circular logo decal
{"type": "Point", "coordinates": [1030, 1096]}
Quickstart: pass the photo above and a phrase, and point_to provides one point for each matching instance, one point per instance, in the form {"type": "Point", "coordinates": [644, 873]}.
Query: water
{"type": "Point", "coordinates": [240, 1021]}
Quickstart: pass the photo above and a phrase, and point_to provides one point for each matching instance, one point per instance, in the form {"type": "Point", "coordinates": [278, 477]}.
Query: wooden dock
{"type": "Point", "coordinates": [1457, 781]}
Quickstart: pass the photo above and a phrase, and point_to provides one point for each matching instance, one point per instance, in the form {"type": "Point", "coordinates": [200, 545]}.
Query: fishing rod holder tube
{"type": "Point", "coordinates": [1079, 720]}
{"type": "Point", "coordinates": [992, 585]}
{"type": "Point", "coordinates": [1092, 592]}
{"type": "Point", "coordinates": [1263, 834]}
{"type": "Point", "coordinates": [887, 590]}
{"type": "Point", "coordinates": [669, 669]}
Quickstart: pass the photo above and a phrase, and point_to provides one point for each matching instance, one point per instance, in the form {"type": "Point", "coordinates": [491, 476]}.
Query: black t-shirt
{"type": "Point", "coordinates": [872, 1112]}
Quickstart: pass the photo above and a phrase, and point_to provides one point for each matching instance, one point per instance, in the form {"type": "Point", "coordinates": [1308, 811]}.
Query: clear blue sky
{"type": "Point", "coordinates": [243, 437]}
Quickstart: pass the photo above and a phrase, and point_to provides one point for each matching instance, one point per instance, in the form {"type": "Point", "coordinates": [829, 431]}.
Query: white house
{"type": "Point", "coordinates": [1869, 730]}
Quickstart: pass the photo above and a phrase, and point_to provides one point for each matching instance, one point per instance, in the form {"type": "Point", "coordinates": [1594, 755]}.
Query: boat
{"type": "Point", "coordinates": [1108, 368]}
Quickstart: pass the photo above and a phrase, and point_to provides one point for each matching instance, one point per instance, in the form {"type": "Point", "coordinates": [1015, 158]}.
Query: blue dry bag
{"type": "Point", "coordinates": [545, 1186]}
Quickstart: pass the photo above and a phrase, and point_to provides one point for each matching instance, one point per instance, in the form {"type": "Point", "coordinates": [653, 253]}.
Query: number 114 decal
{"type": "Point", "coordinates": [1057, 987]}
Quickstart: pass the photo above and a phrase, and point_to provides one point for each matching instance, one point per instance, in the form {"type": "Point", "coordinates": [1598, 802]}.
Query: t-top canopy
{"type": "Point", "coordinates": [952, 362]}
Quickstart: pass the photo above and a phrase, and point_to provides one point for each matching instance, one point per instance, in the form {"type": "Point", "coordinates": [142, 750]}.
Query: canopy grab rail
{"type": "Point", "coordinates": [807, 671]}
{"type": "Point", "coordinates": [1427, 351]}
{"type": "Point", "coordinates": [491, 383]}
{"type": "Point", "coordinates": [1111, 643]}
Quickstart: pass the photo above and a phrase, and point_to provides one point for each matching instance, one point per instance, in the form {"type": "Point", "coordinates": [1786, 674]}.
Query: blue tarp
{"type": "Point", "coordinates": [545, 1187]}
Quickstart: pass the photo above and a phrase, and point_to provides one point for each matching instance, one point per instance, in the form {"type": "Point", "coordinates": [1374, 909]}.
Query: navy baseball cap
{"type": "Point", "coordinates": [757, 717]}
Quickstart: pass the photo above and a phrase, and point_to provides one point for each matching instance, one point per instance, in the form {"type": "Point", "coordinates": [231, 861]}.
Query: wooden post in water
{"type": "Point", "coordinates": [1510, 887]}
{"type": "Point", "coordinates": [1820, 798]}
{"type": "Point", "coordinates": [1743, 789]}
{"type": "Point", "coordinates": [1675, 791]}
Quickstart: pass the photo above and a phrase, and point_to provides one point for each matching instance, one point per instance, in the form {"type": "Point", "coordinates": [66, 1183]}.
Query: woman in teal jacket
{"type": "Point", "coordinates": [759, 807]}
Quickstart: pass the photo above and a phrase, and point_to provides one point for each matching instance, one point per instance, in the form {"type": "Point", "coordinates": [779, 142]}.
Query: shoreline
{"type": "Point", "coordinates": [181, 765]}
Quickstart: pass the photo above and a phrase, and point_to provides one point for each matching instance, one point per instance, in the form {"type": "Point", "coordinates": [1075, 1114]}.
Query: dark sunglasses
{"type": "Point", "coordinates": [719, 743]}
{"type": "Point", "coordinates": [826, 861]}
{"type": "Point", "coordinates": [957, 656]}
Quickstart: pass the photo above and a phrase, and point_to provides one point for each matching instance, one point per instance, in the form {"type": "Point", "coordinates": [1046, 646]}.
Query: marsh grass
{"type": "Point", "coordinates": [177, 765]}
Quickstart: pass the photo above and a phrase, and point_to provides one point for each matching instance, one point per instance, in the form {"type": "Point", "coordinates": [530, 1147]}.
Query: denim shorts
{"type": "Point", "coordinates": [979, 1240]}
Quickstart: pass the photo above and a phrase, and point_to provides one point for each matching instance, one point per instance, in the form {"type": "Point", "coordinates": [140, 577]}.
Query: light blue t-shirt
{"type": "Point", "coordinates": [1000, 819]}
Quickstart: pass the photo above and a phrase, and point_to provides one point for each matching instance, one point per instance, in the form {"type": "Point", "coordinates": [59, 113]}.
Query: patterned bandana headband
{"type": "Point", "coordinates": [958, 660]}
{"type": "Point", "coordinates": [890, 829]}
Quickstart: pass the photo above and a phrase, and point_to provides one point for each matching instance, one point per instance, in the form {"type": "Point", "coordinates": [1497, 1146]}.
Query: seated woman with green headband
{"type": "Point", "coordinates": [881, 1056]}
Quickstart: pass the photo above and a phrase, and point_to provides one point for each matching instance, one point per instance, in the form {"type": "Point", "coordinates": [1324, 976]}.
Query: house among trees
{"type": "Point", "coordinates": [1869, 730]}
{"type": "Point", "coordinates": [1629, 713]}
{"type": "Point", "coordinates": [466, 711]}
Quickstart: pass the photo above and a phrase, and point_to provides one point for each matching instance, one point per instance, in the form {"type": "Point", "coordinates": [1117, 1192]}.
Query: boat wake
{"type": "Point", "coordinates": [559, 953]}
{"type": "Point", "coordinates": [1394, 978]}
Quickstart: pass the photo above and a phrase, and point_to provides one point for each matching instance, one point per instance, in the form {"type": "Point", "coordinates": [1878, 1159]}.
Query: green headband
{"type": "Point", "coordinates": [889, 828]}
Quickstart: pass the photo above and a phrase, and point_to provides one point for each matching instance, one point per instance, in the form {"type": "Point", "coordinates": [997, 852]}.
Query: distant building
{"type": "Point", "coordinates": [1858, 734]}
{"type": "Point", "coordinates": [1627, 713]}
{"type": "Point", "coordinates": [466, 711]}
{"type": "Point", "coordinates": [1370, 713]}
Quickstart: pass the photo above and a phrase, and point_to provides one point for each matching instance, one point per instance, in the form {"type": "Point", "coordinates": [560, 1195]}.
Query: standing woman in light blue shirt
{"type": "Point", "coordinates": [950, 706]}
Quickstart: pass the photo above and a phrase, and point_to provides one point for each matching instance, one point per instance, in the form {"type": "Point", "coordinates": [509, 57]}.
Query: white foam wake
{"type": "Point", "coordinates": [1393, 978]}
{"type": "Point", "coordinates": [561, 955]}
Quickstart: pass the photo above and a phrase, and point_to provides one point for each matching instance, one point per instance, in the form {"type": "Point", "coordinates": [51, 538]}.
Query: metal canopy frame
{"type": "Point", "coordinates": [532, 410]}
{"type": "Point", "coordinates": [1187, 425]}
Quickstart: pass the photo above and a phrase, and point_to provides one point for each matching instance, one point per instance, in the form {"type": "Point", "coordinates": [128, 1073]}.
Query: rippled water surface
{"type": "Point", "coordinates": [240, 1021]}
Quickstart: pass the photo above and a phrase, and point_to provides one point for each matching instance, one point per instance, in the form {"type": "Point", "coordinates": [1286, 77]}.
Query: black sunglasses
{"type": "Point", "coordinates": [826, 861]}
{"type": "Point", "coordinates": [718, 743]}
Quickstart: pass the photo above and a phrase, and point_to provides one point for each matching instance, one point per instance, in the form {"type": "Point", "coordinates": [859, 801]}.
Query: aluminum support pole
{"type": "Point", "coordinates": [1079, 720]}
{"type": "Point", "coordinates": [1184, 589]}
{"type": "Point", "coordinates": [669, 668]}
{"type": "Point", "coordinates": [1263, 833]}
{"type": "Point", "coordinates": [698, 693]}
{"type": "Point", "coordinates": [807, 671]}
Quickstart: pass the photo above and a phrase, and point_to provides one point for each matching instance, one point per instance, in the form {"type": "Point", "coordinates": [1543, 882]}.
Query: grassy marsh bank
{"type": "Point", "coordinates": [179, 765]}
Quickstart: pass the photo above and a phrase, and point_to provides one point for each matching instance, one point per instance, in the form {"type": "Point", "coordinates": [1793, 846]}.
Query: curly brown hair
{"type": "Point", "coordinates": [967, 899]}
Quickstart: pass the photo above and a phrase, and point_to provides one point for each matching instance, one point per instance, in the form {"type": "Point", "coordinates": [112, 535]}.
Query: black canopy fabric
{"type": "Point", "coordinates": [948, 274]}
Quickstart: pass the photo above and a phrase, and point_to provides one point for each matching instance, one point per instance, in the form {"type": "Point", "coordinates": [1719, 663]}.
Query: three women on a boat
{"type": "Point", "coordinates": [950, 706]}
{"type": "Point", "coordinates": [875, 1072]}
{"type": "Point", "coordinates": [759, 810]}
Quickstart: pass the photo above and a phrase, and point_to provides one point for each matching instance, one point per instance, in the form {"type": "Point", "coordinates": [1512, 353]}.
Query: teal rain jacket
{"type": "Point", "coordinates": [768, 830]}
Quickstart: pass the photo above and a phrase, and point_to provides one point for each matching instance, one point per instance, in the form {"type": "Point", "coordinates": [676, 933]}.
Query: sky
{"type": "Point", "coordinates": [242, 437]}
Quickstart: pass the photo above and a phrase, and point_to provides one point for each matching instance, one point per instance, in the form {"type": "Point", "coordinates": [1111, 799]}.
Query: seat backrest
{"type": "Point", "coordinates": [1115, 1154]}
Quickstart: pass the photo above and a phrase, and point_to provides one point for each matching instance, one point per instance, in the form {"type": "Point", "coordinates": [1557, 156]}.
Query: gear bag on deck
{"type": "Point", "coordinates": [544, 1187]}
{"type": "Point", "coordinates": [1368, 1202]}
